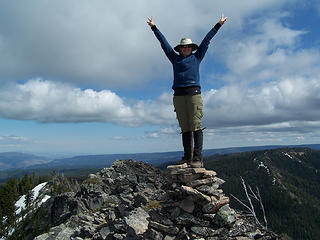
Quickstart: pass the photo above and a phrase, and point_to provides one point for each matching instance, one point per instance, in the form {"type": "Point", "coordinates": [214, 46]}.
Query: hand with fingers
{"type": "Point", "coordinates": [150, 22]}
{"type": "Point", "coordinates": [223, 19]}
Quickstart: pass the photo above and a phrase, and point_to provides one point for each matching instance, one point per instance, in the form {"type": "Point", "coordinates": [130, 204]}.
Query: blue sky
{"type": "Point", "coordinates": [89, 77]}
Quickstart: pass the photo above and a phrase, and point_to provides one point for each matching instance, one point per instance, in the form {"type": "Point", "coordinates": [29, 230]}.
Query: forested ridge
{"type": "Point", "coordinates": [289, 183]}
{"type": "Point", "coordinates": [30, 220]}
{"type": "Point", "coordinates": [10, 192]}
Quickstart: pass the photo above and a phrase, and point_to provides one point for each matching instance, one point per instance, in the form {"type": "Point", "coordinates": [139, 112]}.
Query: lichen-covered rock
{"type": "Point", "coordinates": [207, 232]}
{"type": "Point", "coordinates": [137, 221]}
{"type": "Point", "coordinates": [225, 216]}
{"type": "Point", "coordinates": [60, 233]}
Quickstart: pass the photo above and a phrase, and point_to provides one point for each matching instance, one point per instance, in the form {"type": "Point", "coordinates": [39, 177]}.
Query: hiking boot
{"type": "Point", "coordinates": [187, 147]}
{"type": "Point", "coordinates": [197, 160]}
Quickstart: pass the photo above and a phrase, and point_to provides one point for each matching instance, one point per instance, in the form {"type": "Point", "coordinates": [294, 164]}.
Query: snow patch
{"type": "Point", "coordinates": [44, 199]}
{"type": "Point", "coordinates": [20, 204]}
{"type": "Point", "coordinates": [264, 166]}
{"type": "Point", "coordinates": [288, 155]}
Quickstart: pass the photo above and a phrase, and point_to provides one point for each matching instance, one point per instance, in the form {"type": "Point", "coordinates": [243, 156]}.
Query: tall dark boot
{"type": "Point", "coordinates": [187, 147]}
{"type": "Point", "coordinates": [197, 152]}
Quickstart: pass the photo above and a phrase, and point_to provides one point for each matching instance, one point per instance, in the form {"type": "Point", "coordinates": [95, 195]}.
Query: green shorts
{"type": "Point", "coordinates": [189, 110]}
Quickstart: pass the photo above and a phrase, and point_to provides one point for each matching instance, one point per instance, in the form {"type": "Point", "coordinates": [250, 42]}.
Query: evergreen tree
{"type": "Point", "coordinates": [34, 179]}
{"type": "Point", "coordinates": [29, 199]}
{"type": "Point", "coordinates": [25, 184]}
{"type": "Point", "coordinates": [1, 223]}
{"type": "Point", "coordinates": [8, 197]}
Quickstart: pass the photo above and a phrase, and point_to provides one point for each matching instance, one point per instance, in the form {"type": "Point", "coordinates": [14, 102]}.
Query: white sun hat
{"type": "Point", "coordinates": [184, 42]}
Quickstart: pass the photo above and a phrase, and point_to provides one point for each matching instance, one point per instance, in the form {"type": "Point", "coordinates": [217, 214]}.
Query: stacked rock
{"type": "Point", "coordinates": [200, 190]}
{"type": "Point", "coordinates": [135, 201]}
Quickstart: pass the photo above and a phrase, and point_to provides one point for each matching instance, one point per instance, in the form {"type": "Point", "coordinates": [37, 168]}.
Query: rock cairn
{"type": "Point", "coordinates": [199, 186]}
{"type": "Point", "coordinates": [134, 200]}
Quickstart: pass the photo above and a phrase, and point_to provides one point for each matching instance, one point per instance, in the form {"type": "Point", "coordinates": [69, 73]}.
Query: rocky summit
{"type": "Point", "coordinates": [134, 200]}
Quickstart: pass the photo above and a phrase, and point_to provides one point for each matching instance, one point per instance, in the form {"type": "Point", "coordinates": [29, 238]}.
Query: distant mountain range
{"type": "Point", "coordinates": [15, 164]}
{"type": "Point", "coordinates": [17, 160]}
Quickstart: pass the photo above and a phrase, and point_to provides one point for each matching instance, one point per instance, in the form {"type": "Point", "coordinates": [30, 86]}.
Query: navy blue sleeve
{"type": "Point", "coordinates": [203, 47]}
{"type": "Point", "coordinates": [168, 50]}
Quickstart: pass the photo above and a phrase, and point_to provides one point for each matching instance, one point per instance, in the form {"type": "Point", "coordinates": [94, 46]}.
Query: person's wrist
{"type": "Point", "coordinates": [217, 26]}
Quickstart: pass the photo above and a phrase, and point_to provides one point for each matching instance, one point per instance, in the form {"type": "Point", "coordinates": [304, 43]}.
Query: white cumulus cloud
{"type": "Point", "coordinates": [48, 101]}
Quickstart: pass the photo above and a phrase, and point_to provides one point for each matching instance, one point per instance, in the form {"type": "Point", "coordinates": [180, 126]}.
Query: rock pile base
{"type": "Point", "coordinates": [134, 200]}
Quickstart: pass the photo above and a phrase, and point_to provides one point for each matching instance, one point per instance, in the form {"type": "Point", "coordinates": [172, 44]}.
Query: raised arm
{"type": "Point", "coordinates": [168, 50]}
{"type": "Point", "coordinates": [203, 47]}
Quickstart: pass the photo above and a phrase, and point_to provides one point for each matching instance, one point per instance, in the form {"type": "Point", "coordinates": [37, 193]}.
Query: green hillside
{"type": "Point", "coordinates": [289, 183]}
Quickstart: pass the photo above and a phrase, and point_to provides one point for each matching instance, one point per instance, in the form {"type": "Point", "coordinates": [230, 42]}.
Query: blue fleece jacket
{"type": "Point", "coordinates": [186, 70]}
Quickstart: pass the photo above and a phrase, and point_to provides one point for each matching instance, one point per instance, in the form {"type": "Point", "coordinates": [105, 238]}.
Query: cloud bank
{"type": "Point", "coordinates": [270, 83]}
{"type": "Point", "coordinates": [49, 102]}
{"type": "Point", "coordinates": [290, 101]}
{"type": "Point", "coordinates": [105, 43]}
{"type": "Point", "coordinates": [13, 140]}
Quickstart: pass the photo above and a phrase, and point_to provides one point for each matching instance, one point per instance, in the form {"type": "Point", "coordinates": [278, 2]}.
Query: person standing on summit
{"type": "Point", "coordinates": [187, 98]}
